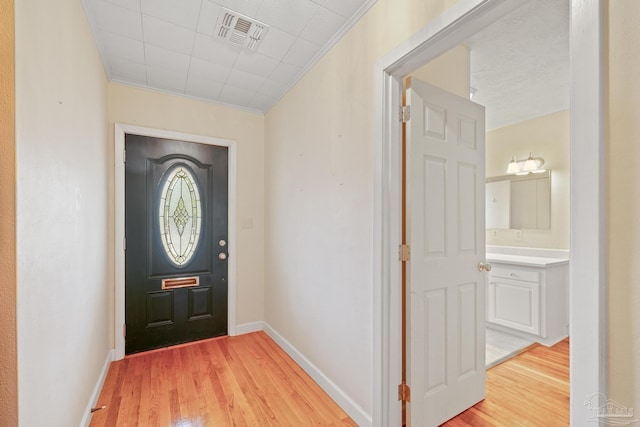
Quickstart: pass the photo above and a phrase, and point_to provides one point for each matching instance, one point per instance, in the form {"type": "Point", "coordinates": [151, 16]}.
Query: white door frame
{"type": "Point", "coordinates": [120, 131]}
{"type": "Point", "coordinates": [588, 315]}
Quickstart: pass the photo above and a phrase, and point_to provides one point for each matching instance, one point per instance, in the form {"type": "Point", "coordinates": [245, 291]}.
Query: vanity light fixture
{"type": "Point", "coordinates": [523, 167]}
{"type": "Point", "coordinates": [513, 166]}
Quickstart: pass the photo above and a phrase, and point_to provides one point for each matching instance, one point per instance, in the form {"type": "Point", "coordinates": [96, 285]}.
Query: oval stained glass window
{"type": "Point", "coordinates": [180, 215]}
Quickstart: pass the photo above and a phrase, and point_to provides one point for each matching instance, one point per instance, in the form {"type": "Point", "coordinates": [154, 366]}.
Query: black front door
{"type": "Point", "coordinates": [176, 242]}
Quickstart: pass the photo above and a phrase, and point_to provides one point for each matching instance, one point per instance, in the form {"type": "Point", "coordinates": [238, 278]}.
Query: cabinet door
{"type": "Point", "coordinates": [515, 304]}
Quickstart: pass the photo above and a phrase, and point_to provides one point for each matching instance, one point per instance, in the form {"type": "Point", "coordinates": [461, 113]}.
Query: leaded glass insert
{"type": "Point", "coordinates": [180, 215]}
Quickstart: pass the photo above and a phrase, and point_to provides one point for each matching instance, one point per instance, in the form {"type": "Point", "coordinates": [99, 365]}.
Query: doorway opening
{"type": "Point", "coordinates": [524, 109]}
{"type": "Point", "coordinates": [588, 321]}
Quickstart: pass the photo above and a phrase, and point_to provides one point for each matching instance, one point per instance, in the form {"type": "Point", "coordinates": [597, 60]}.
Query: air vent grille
{"type": "Point", "coordinates": [240, 30]}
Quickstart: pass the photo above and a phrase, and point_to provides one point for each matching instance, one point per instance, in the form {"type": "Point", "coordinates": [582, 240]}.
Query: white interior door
{"type": "Point", "coordinates": [445, 208]}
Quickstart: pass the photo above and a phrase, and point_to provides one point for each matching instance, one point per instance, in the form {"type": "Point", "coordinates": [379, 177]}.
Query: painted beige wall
{"type": "Point", "coordinates": [319, 201]}
{"type": "Point", "coordinates": [547, 137]}
{"type": "Point", "coordinates": [161, 111]}
{"type": "Point", "coordinates": [8, 353]}
{"type": "Point", "coordinates": [623, 204]}
{"type": "Point", "coordinates": [62, 161]}
{"type": "Point", "coordinates": [449, 71]}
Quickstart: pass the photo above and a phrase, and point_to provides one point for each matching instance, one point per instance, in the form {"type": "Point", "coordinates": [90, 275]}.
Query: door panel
{"type": "Point", "coordinates": [176, 212]}
{"type": "Point", "coordinates": [445, 229]}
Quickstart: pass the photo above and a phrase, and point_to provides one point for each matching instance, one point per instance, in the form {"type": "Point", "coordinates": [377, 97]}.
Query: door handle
{"type": "Point", "coordinates": [484, 266]}
{"type": "Point", "coordinates": [222, 256]}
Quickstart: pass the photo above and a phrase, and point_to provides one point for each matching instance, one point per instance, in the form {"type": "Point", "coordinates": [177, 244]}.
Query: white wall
{"type": "Point", "coordinates": [547, 137]}
{"type": "Point", "coordinates": [319, 201]}
{"type": "Point", "coordinates": [62, 222]}
{"type": "Point", "coordinates": [161, 111]}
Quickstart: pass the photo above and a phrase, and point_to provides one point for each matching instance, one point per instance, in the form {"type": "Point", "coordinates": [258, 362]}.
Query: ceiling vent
{"type": "Point", "coordinates": [240, 30]}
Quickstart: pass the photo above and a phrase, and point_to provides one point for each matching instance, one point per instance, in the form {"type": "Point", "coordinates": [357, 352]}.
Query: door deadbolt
{"type": "Point", "coordinates": [222, 243]}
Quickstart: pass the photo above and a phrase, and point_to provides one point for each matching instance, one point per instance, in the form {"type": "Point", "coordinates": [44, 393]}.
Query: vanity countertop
{"type": "Point", "coordinates": [532, 261]}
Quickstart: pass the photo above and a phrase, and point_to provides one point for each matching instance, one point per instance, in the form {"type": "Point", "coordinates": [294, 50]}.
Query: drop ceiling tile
{"type": "Point", "coordinates": [323, 26]}
{"type": "Point", "coordinates": [208, 17]}
{"type": "Point", "coordinates": [180, 12]}
{"type": "Point", "coordinates": [118, 20]}
{"type": "Point", "coordinates": [255, 63]}
{"type": "Point", "coordinates": [285, 73]}
{"type": "Point", "coordinates": [202, 69]}
{"type": "Point", "coordinates": [236, 96]}
{"type": "Point", "coordinates": [116, 46]}
{"type": "Point", "coordinates": [203, 88]}
{"type": "Point", "coordinates": [287, 15]}
{"type": "Point", "coordinates": [162, 78]}
{"type": "Point", "coordinates": [245, 7]}
{"type": "Point", "coordinates": [345, 8]}
{"type": "Point", "coordinates": [169, 36]}
{"type": "Point", "coordinates": [158, 57]}
{"type": "Point", "coordinates": [276, 43]}
{"type": "Point", "coordinates": [127, 71]}
{"type": "Point", "coordinates": [261, 102]}
{"type": "Point", "coordinates": [129, 4]}
{"type": "Point", "coordinates": [169, 45]}
{"type": "Point", "coordinates": [300, 53]}
{"type": "Point", "coordinates": [215, 51]}
{"type": "Point", "coordinates": [272, 89]}
{"type": "Point", "coordinates": [247, 81]}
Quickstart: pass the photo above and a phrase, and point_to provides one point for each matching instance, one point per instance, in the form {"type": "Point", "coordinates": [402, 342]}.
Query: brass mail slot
{"type": "Point", "coordinates": [181, 282]}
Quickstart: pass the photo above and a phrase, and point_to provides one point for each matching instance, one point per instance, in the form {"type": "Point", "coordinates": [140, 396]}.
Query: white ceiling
{"type": "Point", "coordinates": [520, 64]}
{"type": "Point", "coordinates": [168, 45]}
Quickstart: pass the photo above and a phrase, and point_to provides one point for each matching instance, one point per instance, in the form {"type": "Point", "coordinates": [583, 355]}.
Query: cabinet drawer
{"type": "Point", "coordinates": [515, 274]}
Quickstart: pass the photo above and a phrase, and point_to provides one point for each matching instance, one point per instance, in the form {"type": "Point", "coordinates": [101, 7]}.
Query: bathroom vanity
{"type": "Point", "coordinates": [527, 293]}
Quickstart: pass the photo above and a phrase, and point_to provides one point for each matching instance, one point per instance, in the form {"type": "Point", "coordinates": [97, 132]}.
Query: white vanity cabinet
{"type": "Point", "coordinates": [529, 295]}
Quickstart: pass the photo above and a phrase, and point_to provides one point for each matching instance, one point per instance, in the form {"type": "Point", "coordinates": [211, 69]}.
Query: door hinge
{"type": "Point", "coordinates": [124, 156]}
{"type": "Point", "coordinates": [405, 252]}
{"type": "Point", "coordinates": [405, 113]}
{"type": "Point", "coordinates": [124, 330]}
{"type": "Point", "coordinates": [404, 393]}
{"type": "Point", "coordinates": [124, 243]}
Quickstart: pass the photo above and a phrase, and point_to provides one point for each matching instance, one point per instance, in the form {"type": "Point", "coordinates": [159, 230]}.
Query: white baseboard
{"type": "Point", "coordinates": [336, 393]}
{"type": "Point", "coordinates": [547, 342]}
{"type": "Point", "coordinates": [95, 394]}
{"type": "Point", "coordinates": [247, 328]}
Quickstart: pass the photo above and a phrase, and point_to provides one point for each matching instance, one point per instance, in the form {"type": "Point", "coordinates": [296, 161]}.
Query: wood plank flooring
{"type": "Point", "coordinates": [231, 381]}
{"type": "Point", "coordinates": [531, 389]}
{"type": "Point", "coordinates": [249, 381]}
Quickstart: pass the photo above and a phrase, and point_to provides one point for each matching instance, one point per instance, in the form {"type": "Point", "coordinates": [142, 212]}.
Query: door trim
{"type": "Point", "coordinates": [119, 188]}
{"type": "Point", "coordinates": [588, 263]}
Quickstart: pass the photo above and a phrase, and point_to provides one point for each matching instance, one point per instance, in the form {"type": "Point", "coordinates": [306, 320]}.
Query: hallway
{"type": "Point", "coordinates": [245, 380]}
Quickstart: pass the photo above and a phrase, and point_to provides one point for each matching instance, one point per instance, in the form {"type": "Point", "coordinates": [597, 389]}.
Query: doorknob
{"type": "Point", "coordinates": [222, 256]}
{"type": "Point", "coordinates": [484, 266]}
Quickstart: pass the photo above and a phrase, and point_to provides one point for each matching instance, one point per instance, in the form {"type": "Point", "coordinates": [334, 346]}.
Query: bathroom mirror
{"type": "Point", "coordinates": [519, 201]}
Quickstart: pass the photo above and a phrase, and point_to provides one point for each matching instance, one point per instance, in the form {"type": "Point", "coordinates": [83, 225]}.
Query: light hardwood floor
{"type": "Point", "coordinates": [231, 381]}
{"type": "Point", "coordinates": [249, 381]}
{"type": "Point", "coordinates": [531, 389]}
